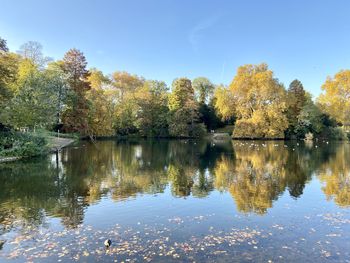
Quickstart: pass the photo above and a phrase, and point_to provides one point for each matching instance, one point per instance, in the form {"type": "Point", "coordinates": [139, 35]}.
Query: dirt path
{"type": "Point", "coordinates": [57, 144]}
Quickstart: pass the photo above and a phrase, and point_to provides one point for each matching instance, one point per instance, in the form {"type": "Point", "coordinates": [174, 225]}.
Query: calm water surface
{"type": "Point", "coordinates": [181, 201]}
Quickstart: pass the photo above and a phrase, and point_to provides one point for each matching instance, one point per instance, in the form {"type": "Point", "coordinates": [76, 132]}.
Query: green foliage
{"type": "Point", "coordinates": [204, 89]}
{"type": "Point", "coordinates": [8, 75]}
{"type": "Point", "coordinates": [308, 120]}
{"type": "Point", "coordinates": [34, 103]}
{"type": "Point", "coordinates": [46, 133]}
{"type": "Point", "coordinates": [182, 93]}
{"type": "Point", "coordinates": [59, 86]}
{"type": "Point", "coordinates": [153, 109]}
{"type": "Point", "coordinates": [181, 182]}
{"type": "Point", "coordinates": [126, 93]}
{"type": "Point", "coordinates": [75, 116]}
{"type": "Point", "coordinates": [184, 111]}
{"type": "Point", "coordinates": [125, 117]}
{"type": "Point", "coordinates": [296, 99]}
{"type": "Point", "coordinates": [336, 133]}
{"type": "Point", "coordinates": [209, 117]}
{"type": "Point", "coordinates": [63, 95]}
{"type": "Point", "coordinates": [101, 107]}
{"type": "Point", "coordinates": [22, 144]}
{"type": "Point", "coordinates": [226, 129]}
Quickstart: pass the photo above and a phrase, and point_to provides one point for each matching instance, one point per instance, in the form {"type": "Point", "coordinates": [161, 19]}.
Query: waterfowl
{"type": "Point", "coordinates": [108, 243]}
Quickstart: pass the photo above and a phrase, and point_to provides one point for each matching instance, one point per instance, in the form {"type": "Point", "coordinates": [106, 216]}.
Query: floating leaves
{"type": "Point", "coordinates": [143, 242]}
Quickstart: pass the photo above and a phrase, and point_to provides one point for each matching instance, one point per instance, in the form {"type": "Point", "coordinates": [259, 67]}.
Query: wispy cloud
{"type": "Point", "coordinates": [196, 33]}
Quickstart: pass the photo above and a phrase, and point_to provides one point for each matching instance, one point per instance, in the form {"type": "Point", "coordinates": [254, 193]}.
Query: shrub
{"type": "Point", "coordinates": [253, 130]}
{"type": "Point", "coordinates": [22, 144]}
{"type": "Point", "coordinates": [199, 130]}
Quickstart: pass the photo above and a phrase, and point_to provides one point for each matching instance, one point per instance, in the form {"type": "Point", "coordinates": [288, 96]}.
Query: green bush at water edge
{"type": "Point", "coordinates": [16, 144]}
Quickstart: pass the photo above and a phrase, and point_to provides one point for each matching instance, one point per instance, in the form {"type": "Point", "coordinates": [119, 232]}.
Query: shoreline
{"type": "Point", "coordinates": [58, 143]}
{"type": "Point", "coordinates": [54, 145]}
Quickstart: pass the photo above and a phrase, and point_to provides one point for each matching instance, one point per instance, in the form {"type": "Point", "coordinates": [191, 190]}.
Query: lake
{"type": "Point", "coordinates": [179, 200]}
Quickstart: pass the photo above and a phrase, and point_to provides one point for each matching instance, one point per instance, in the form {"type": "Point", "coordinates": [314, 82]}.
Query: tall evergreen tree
{"type": "Point", "coordinates": [296, 99]}
{"type": "Point", "coordinates": [184, 111]}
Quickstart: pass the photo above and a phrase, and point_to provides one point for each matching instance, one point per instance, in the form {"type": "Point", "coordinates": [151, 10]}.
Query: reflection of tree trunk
{"type": "Point", "coordinates": [57, 170]}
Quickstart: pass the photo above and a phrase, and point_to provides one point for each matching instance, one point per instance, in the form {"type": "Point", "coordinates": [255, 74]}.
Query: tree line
{"type": "Point", "coordinates": [64, 95]}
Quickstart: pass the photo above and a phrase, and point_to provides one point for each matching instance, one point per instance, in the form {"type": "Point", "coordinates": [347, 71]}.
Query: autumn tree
{"type": "Point", "coordinates": [125, 87]}
{"type": "Point", "coordinates": [101, 107]}
{"type": "Point", "coordinates": [33, 51]}
{"type": "Point", "coordinates": [184, 114]}
{"type": "Point", "coordinates": [259, 102]}
{"type": "Point", "coordinates": [224, 102]}
{"type": "Point", "coordinates": [8, 75]}
{"type": "Point", "coordinates": [33, 105]}
{"type": "Point", "coordinates": [58, 82]}
{"type": "Point", "coordinates": [75, 118]}
{"type": "Point", "coordinates": [126, 83]}
{"type": "Point", "coordinates": [335, 99]}
{"type": "Point", "coordinates": [309, 119]}
{"type": "Point", "coordinates": [204, 89]}
{"type": "Point", "coordinates": [296, 100]}
{"type": "Point", "coordinates": [35, 99]}
{"type": "Point", "coordinates": [152, 100]}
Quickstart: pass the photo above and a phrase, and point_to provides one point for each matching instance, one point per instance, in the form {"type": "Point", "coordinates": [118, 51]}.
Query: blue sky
{"type": "Point", "coordinates": [163, 39]}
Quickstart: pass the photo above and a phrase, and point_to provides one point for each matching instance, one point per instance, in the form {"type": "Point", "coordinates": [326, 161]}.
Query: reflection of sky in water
{"type": "Point", "coordinates": [170, 200]}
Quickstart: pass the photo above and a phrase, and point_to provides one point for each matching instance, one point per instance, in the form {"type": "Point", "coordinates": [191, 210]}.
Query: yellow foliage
{"type": "Point", "coordinates": [258, 101]}
{"type": "Point", "coordinates": [254, 178]}
{"type": "Point", "coordinates": [224, 102]}
{"type": "Point", "coordinates": [336, 97]}
{"type": "Point", "coordinates": [335, 175]}
{"type": "Point", "coordinates": [101, 106]}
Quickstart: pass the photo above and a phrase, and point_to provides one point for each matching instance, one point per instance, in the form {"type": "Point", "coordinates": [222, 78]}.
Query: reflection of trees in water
{"type": "Point", "coordinates": [260, 172]}
{"type": "Point", "coordinates": [303, 162]}
{"type": "Point", "coordinates": [203, 183]}
{"type": "Point", "coordinates": [181, 180]}
{"type": "Point", "coordinates": [255, 176]}
{"type": "Point", "coordinates": [335, 174]}
{"type": "Point", "coordinates": [27, 189]}
{"type": "Point", "coordinates": [139, 168]}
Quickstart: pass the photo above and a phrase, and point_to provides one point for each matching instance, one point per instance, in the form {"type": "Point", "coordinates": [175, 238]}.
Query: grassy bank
{"type": "Point", "coordinates": [16, 145]}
